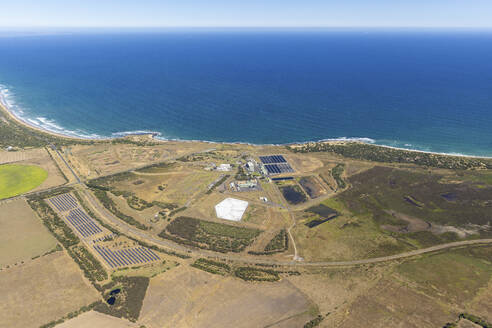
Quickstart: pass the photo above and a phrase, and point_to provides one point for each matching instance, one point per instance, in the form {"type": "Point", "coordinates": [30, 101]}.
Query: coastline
{"type": "Point", "coordinates": [20, 121]}
{"type": "Point", "coordinates": [155, 137]}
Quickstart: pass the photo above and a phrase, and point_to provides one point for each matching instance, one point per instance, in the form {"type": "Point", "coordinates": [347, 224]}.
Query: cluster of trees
{"type": "Point", "coordinates": [279, 243]}
{"type": "Point", "coordinates": [255, 274]}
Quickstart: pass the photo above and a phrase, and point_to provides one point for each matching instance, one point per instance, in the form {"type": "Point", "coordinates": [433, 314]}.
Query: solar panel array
{"type": "Point", "coordinates": [64, 202]}
{"type": "Point", "coordinates": [272, 159]}
{"type": "Point", "coordinates": [126, 256]}
{"type": "Point", "coordinates": [276, 164]}
{"type": "Point", "coordinates": [83, 223]}
{"type": "Point", "coordinates": [74, 215]}
{"type": "Point", "coordinates": [278, 168]}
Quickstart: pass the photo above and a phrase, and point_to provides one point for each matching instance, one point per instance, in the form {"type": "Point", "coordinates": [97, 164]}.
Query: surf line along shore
{"type": "Point", "coordinates": [366, 141]}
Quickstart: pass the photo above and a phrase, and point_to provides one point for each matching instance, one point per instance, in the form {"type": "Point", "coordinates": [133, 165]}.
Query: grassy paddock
{"type": "Point", "coordinates": [17, 179]}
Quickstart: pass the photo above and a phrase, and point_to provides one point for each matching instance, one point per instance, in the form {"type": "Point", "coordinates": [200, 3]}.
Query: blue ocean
{"type": "Point", "coordinates": [419, 89]}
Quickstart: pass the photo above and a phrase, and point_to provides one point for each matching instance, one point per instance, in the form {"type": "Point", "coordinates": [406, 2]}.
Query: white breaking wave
{"type": "Point", "coordinates": [137, 132]}
{"type": "Point", "coordinates": [7, 98]}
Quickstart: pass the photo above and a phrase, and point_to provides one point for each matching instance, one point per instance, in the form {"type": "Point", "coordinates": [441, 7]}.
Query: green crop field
{"type": "Point", "coordinates": [18, 179]}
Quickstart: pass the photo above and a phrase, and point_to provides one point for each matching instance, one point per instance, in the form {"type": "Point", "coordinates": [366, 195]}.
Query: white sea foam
{"type": "Point", "coordinates": [137, 132]}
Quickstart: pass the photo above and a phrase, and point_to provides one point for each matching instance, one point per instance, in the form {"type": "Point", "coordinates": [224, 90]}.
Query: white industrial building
{"type": "Point", "coordinates": [231, 209]}
{"type": "Point", "coordinates": [224, 167]}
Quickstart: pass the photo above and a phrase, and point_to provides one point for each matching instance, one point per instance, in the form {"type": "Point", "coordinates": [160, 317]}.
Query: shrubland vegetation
{"type": "Point", "coordinates": [418, 194]}
{"type": "Point", "coordinates": [53, 222]}
{"type": "Point", "coordinates": [218, 237]}
{"type": "Point", "coordinates": [375, 153]}
{"type": "Point", "coordinates": [336, 173]}
{"type": "Point", "coordinates": [108, 203]}
{"type": "Point", "coordinates": [101, 186]}
{"type": "Point", "coordinates": [212, 266]}
{"type": "Point", "coordinates": [16, 135]}
{"type": "Point", "coordinates": [130, 299]}
{"type": "Point", "coordinates": [279, 243]}
{"type": "Point", "coordinates": [314, 322]}
{"type": "Point", "coordinates": [92, 268]}
{"type": "Point", "coordinates": [256, 274]}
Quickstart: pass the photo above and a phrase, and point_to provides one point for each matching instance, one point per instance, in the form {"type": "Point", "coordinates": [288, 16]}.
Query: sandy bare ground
{"type": "Point", "coordinates": [22, 235]}
{"type": "Point", "coordinates": [93, 319]}
{"type": "Point", "coordinates": [42, 290]}
{"type": "Point", "coordinates": [186, 297]}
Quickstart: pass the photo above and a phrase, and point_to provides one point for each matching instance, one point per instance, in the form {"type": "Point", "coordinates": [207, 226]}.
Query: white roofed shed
{"type": "Point", "coordinates": [231, 209]}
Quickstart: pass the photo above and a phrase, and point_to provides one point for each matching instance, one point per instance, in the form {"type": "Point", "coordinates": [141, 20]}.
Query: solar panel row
{"type": "Point", "coordinates": [126, 256]}
{"type": "Point", "coordinates": [83, 223]}
{"type": "Point", "coordinates": [278, 168]}
{"type": "Point", "coordinates": [64, 202]}
{"type": "Point", "coordinates": [272, 159]}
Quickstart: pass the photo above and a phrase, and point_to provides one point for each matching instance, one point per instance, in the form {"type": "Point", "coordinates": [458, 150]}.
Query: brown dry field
{"type": "Point", "coordinates": [22, 234]}
{"type": "Point", "coordinates": [93, 319]}
{"type": "Point", "coordinates": [302, 163]}
{"type": "Point", "coordinates": [463, 323]}
{"type": "Point", "coordinates": [21, 155]}
{"type": "Point", "coordinates": [106, 158]}
{"type": "Point", "coordinates": [187, 297]}
{"type": "Point", "coordinates": [426, 291]}
{"type": "Point", "coordinates": [43, 290]}
{"type": "Point", "coordinates": [391, 304]}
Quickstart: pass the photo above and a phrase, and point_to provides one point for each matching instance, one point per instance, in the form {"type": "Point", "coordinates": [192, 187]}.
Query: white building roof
{"type": "Point", "coordinates": [224, 167]}
{"type": "Point", "coordinates": [231, 209]}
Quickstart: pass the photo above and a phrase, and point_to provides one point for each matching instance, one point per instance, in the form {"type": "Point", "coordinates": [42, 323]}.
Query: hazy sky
{"type": "Point", "coordinates": [247, 13]}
